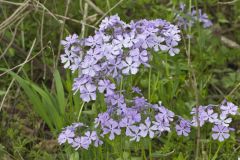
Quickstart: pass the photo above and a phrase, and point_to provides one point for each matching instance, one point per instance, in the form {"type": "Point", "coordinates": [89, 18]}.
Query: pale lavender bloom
{"type": "Point", "coordinates": [195, 122]}
{"type": "Point", "coordinates": [165, 114]}
{"type": "Point", "coordinates": [129, 66]}
{"type": "Point", "coordinates": [66, 136]}
{"type": "Point", "coordinates": [160, 125]}
{"type": "Point", "coordinates": [224, 121]}
{"type": "Point", "coordinates": [76, 64]}
{"type": "Point", "coordinates": [90, 67]}
{"type": "Point", "coordinates": [117, 99]}
{"type": "Point", "coordinates": [67, 58]}
{"type": "Point", "coordinates": [183, 128]}
{"type": "Point", "coordinates": [109, 22]}
{"type": "Point", "coordinates": [220, 132]}
{"type": "Point", "coordinates": [139, 56]}
{"type": "Point", "coordinates": [135, 134]}
{"type": "Point", "coordinates": [91, 136]}
{"type": "Point", "coordinates": [80, 82]}
{"type": "Point", "coordinates": [110, 51]}
{"type": "Point", "coordinates": [170, 47]}
{"type": "Point", "coordinates": [75, 125]}
{"type": "Point", "coordinates": [146, 128]}
{"type": "Point", "coordinates": [188, 19]}
{"type": "Point", "coordinates": [129, 39]}
{"type": "Point", "coordinates": [119, 41]}
{"type": "Point", "coordinates": [126, 123]}
{"type": "Point", "coordinates": [102, 119]}
{"type": "Point", "coordinates": [203, 17]}
{"type": "Point", "coordinates": [93, 41]}
{"type": "Point", "coordinates": [71, 39]}
{"type": "Point", "coordinates": [81, 142]}
{"type": "Point", "coordinates": [106, 85]}
{"type": "Point", "coordinates": [210, 116]}
{"type": "Point", "coordinates": [202, 114]}
{"type": "Point", "coordinates": [140, 103]}
{"type": "Point", "coordinates": [149, 42]}
{"type": "Point", "coordinates": [122, 109]}
{"type": "Point", "coordinates": [182, 6]}
{"type": "Point", "coordinates": [113, 67]}
{"type": "Point", "coordinates": [229, 108]}
{"type": "Point", "coordinates": [136, 90]}
{"type": "Point", "coordinates": [88, 92]}
{"type": "Point", "coordinates": [112, 128]}
{"type": "Point", "coordinates": [94, 54]}
{"type": "Point", "coordinates": [98, 142]}
{"type": "Point", "coordinates": [159, 46]}
{"type": "Point", "coordinates": [133, 115]}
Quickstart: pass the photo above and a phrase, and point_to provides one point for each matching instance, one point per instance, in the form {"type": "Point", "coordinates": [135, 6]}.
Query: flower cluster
{"type": "Point", "coordinates": [186, 19]}
{"type": "Point", "coordinates": [116, 49]}
{"type": "Point", "coordinates": [220, 121]}
{"type": "Point", "coordinates": [69, 136]}
{"type": "Point", "coordinates": [142, 119]}
{"type": "Point", "coordinates": [119, 49]}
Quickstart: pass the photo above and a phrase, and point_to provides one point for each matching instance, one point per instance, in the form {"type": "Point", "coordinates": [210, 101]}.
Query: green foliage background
{"type": "Point", "coordinates": [39, 101]}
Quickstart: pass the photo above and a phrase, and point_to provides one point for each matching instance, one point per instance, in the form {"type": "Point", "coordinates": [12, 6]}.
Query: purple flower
{"type": "Point", "coordinates": [66, 136]}
{"type": "Point", "coordinates": [67, 58]}
{"type": "Point", "coordinates": [106, 85]}
{"type": "Point", "coordinates": [135, 134]}
{"type": "Point", "coordinates": [92, 41]}
{"type": "Point", "coordinates": [224, 121]}
{"type": "Point", "coordinates": [71, 39]}
{"type": "Point", "coordinates": [229, 108]}
{"type": "Point", "coordinates": [102, 119]}
{"type": "Point", "coordinates": [220, 132]}
{"type": "Point", "coordinates": [139, 56]}
{"type": "Point", "coordinates": [91, 136]}
{"type": "Point", "coordinates": [81, 142]}
{"type": "Point", "coordinates": [128, 124]}
{"type": "Point", "coordinates": [160, 125]}
{"type": "Point", "coordinates": [133, 115]}
{"type": "Point", "coordinates": [165, 114]}
{"type": "Point", "coordinates": [116, 99]}
{"type": "Point", "coordinates": [146, 128]}
{"type": "Point", "coordinates": [210, 116]}
{"type": "Point", "coordinates": [98, 142]}
{"type": "Point", "coordinates": [140, 103]}
{"type": "Point", "coordinates": [183, 128]}
{"type": "Point", "coordinates": [129, 66]}
{"type": "Point", "coordinates": [129, 39]}
{"type": "Point", "coordinates": [112, 128]}
{"type": "Point", "coordinates": [80, 82]}
{"type": "Point", "coordinates": [90, 67]}
{"type": "Point", "coordinates": [136, 90]}
{"type": "Point", "coordinates": [88, 92]}
{"type": "Point", "coordinates": [202, 115]}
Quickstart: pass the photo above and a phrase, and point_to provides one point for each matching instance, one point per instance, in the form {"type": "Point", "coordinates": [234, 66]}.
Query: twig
{"type": "Point", "coordinates": [61, 33]}
{"type": "Point", "coordinates": [9, 70]}
{"type": "Point", "coordinates": [17, 14]}
{"type": "Point", "coordinates": [10, 85]}
{"type": "Point", "coordinates": [54, 15]}
{"type": "Point", "coordinates": [119, 2]}
{"type": "Point", "coordinates": [96, 8]}
{"type": "Point", "coordinates": [234, 89]}
{"type": "Point", "coordinates": [12, 40]}
{"type": "Point", "coordinates": [229, 3]}
{"type": "Point", "coordinates": [229, 42]}
{"type": "Point", "coordinates": [84, 19]}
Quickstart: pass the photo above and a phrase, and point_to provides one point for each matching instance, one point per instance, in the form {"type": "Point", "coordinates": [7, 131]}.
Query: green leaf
{"type": "Point", "coordinates": [60, 92]}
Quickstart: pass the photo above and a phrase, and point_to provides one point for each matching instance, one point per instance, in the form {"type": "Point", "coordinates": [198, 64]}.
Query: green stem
{"type": "Point", "coordinates": [149, 84]}
{"type": "Point", "coordinates": [150, 150]}
{"type": "Point", "coordinates": [80, 111]}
